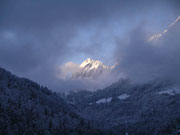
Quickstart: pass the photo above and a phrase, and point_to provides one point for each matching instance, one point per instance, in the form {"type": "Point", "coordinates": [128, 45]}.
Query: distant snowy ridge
{"type": "Point", "coordinates": [157, 36]}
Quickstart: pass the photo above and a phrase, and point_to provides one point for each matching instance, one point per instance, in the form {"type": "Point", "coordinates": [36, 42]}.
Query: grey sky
{"type": "Point", "coordinates": [37, 36]}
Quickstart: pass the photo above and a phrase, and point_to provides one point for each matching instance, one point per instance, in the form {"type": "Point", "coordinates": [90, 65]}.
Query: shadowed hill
{"type": "Point", "coordinates": [28, 108]}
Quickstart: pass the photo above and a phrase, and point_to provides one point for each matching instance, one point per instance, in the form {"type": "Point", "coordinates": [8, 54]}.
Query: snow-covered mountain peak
{"type": "Point", "coordinates": [90, 64]}
{"type": "Point", "coordinates": [91, 73]}
{"type": "Point", "coordinates": [91, 69]}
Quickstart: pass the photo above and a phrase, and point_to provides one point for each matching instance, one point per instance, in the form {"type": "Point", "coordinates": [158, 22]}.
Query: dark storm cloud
{"type": "Point", "coordinates": [142, 60]}
{"type": "Point", "coordinates": [35, 35]}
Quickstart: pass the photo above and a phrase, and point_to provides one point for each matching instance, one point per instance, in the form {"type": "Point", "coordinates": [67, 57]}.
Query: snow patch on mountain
{"type": "Point", "coordinates": [123, 96]}
{"type": "Point", "coordinates": [102, 101]}
{"type": "Point", "coordinates": [170, 92]}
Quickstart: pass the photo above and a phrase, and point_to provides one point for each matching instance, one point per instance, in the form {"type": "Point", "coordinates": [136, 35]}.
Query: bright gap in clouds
{"type": "Point", "coordinates": [94, 42]}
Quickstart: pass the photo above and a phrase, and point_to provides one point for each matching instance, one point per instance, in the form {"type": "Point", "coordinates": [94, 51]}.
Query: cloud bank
{"type": "Point", "coordinates": [38, 36]}
{"type": "Point", "coordinates": [143, 61]}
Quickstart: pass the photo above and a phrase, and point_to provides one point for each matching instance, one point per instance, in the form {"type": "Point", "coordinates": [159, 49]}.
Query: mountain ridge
{"type": "Point", "coordinates": [126, 107]}
{"type": "Point", "coordinates": [157, 36]}
{"type": "Point", "coordinates": [27, 108]}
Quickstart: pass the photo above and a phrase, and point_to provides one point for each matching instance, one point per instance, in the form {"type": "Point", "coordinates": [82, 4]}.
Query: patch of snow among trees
{"type": "Point", "coordinates": [171, 92]}
{"type": "Point", "coordinates": [123, 96]}
{"type": "Point", "coordinates": [104, 100]}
